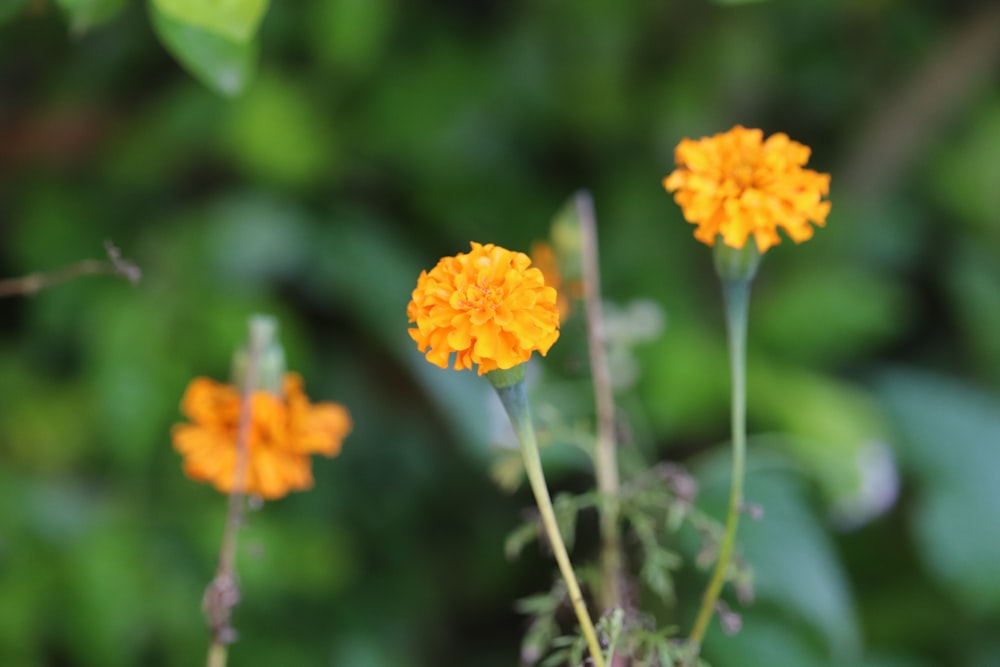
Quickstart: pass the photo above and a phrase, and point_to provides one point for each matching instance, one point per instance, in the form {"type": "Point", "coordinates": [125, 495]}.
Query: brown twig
{"type": "Point", "coordinates": [35, 282]}
{"type": "Point", "coordinates": [222, 594]}
{"type": "Point", "coordinates": [605, 454]}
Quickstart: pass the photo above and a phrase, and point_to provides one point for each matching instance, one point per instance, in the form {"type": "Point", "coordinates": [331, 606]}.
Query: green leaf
{"type": "Point", "coordinates": [519, 538]}
{"type": "Point", "coordinates": [222, 64]}
{"type": "Point", "coordinates": [835, 430]}
{"type": "Point", "coordinates": [828, 314]}
{"type": "Point", "coordinates": [949, 434]}
{"type": "Point", "coordinates": [276, 134]}
{"type": "Point", "coordinates": [794, 566]}
{"type": "Point", "coordinates": [564, 507]}
{"type": "Point", "coordinates": [85, 14]}
{"type": "Point", "coordinates": [235, 20]}
{"type": "Point", "coordinates": [350, 34]}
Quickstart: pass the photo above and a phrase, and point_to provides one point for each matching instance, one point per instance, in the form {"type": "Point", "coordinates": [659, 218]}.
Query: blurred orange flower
{"type": "Point", "coordinates": [489, 307]}
{"type": "Point", "coordinates": [284, 432]}
{"type": "Point", "coordinates": [544, 257]}
{"type": "Point", "coordinates": [738, 185]}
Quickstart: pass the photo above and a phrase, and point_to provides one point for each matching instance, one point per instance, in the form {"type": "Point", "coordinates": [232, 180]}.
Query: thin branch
{"type": "Point", "coordinates": [605, 454]}
{"type": "Point", "coordinates": [35, 282]}
{"type": "Point", "coordinates": [222, 594]}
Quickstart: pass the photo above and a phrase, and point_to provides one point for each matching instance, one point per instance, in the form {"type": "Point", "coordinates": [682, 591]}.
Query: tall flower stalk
{"type": "Point", "coordinates": [736, 269]}
{"type": "Point", "coordinates": [605, 449]}
{"type": "Point", "coordinates": [511, 389]}
{"type": "Point", "coordinates": [739, 190]}
{"type": "Point", "coordinates": [490, 309]}
{"type": "Point", "coordinates": [252, 440]}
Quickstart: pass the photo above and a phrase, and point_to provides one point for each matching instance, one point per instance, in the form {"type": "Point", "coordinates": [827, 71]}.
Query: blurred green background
{"type": "Point", "coordinates": [376, 136]}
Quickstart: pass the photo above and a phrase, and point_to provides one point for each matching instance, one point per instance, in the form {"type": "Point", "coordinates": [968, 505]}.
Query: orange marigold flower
{"type": "Point", "coordinates": [283, 433]}
{"type": "Point", "coordinates": [736, 184]}
{"type": "Point", "coordinates": [544, 257]}
{"type": "Point", "coordinates": [489, 307]}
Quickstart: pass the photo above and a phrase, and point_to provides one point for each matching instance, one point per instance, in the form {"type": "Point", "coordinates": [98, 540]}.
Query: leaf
{"type": "Point", "coordinates": [350, 34]}
{"type": "Point", "coordinates": [519, 538]}
{"type": "Point", "coordinates": [222, 64]}
{"type": "Point", "coordinates": [794, 561]}
{"type": "Point", "coordinates": [949, 434]}
{"type": "Point", "coordinates": [235, 20]}
{"type": "Point", "coordinates": [656, 568]}
{"type": "Point", "coordinates": [829, 314]}
{"type": "Point", "coordinates": [85, 14]}
{"type": "Point", "coordinates": [277, 135]}
{"type": "Point", "coordinates": [565, 509]}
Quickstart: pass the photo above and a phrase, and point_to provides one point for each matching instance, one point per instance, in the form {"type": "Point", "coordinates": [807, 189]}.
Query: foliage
{"type": "Point", "coordinates": [371, 138]}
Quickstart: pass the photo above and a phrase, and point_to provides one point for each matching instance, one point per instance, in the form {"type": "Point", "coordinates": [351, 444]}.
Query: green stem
{"type": "Point", "coordinates": [737, 298]}
{"type": "Point", "coordinates": [217, 655]}
{"type": "Point", "coordinates": [515, 400]}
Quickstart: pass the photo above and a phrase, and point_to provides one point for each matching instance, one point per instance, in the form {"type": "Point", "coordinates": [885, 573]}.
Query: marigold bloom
{"type": "Point", "coordinates": [283, 433]}
{"type": "Point", "coordinates": [544, 257]}
{"type": "Point", "coordinates": [489, 307]}
{"type": "Point", "coordinates": [737, 185]}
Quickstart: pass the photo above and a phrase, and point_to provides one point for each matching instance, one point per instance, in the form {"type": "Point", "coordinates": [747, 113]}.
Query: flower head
{"type": "Point", "coordinates": [284, 432]}
{"type": "Point", "coordinates": [546, 259]}
{"type": "Point", "coordinates": [489, 307]}
{"type": "Point", "coordinates": [738, 185]}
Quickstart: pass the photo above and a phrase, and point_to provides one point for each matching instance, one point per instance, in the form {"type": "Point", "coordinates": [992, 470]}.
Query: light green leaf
{"type": "Point", "coordinates": [222, 64]}
{"type": "Point", "coordinates": [794, 566]}
{"type": "Point", "coordinates": [949, 434]}
{"type": "Point", "coordinates": [835, 430]}
{"type": "Point", "coordinates": [85, 14]}
{"type": "Point", "coordinates": [277, 134]}
{"type": "Point", "coordinates": [235, 20]}
{"type": "Point", "coordinates": [827, 314]}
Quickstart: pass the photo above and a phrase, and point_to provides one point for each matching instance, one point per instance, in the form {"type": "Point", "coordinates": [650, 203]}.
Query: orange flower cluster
{"type": "Point", "coordinates": [738, 185]}
{"type": "Point", "coordinates": [283, 434]}
{"type": "Point", "coordinates": [489, 307]}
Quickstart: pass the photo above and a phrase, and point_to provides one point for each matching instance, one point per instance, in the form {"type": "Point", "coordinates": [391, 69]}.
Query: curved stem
{"type": "Point", "coordinates": [737, 298]}
{"type": "Point", "coordinates": [515, 401]}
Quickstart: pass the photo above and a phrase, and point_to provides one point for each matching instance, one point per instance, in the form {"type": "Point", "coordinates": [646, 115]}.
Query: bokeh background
{"type": "Point", "coordinates": [377, 136]}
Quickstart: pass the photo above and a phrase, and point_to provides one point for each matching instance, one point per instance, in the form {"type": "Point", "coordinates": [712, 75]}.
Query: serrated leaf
{"type": "Point", "coordinates": [222, 64]}
{"type": "Point", "coordinates": [519, 538]}
{"type": "Point", "coordinates": [85, 14]}
{"type": "Point", "coordinates": [565, 511]}
{"type": "Point", "coordinates": [655, 572]}
{"type": "Point", "coordinates": [235, 20]}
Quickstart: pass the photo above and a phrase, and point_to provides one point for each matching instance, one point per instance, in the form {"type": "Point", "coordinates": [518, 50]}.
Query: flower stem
{"type": "Point", "coordinates": [605, 455]}
{"type": "Point", "coordinates": [737, 298]}
{"type": "Point", "coordinates": [222, 593]}
{"type": "Point", "coordinates": [515, 400]}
